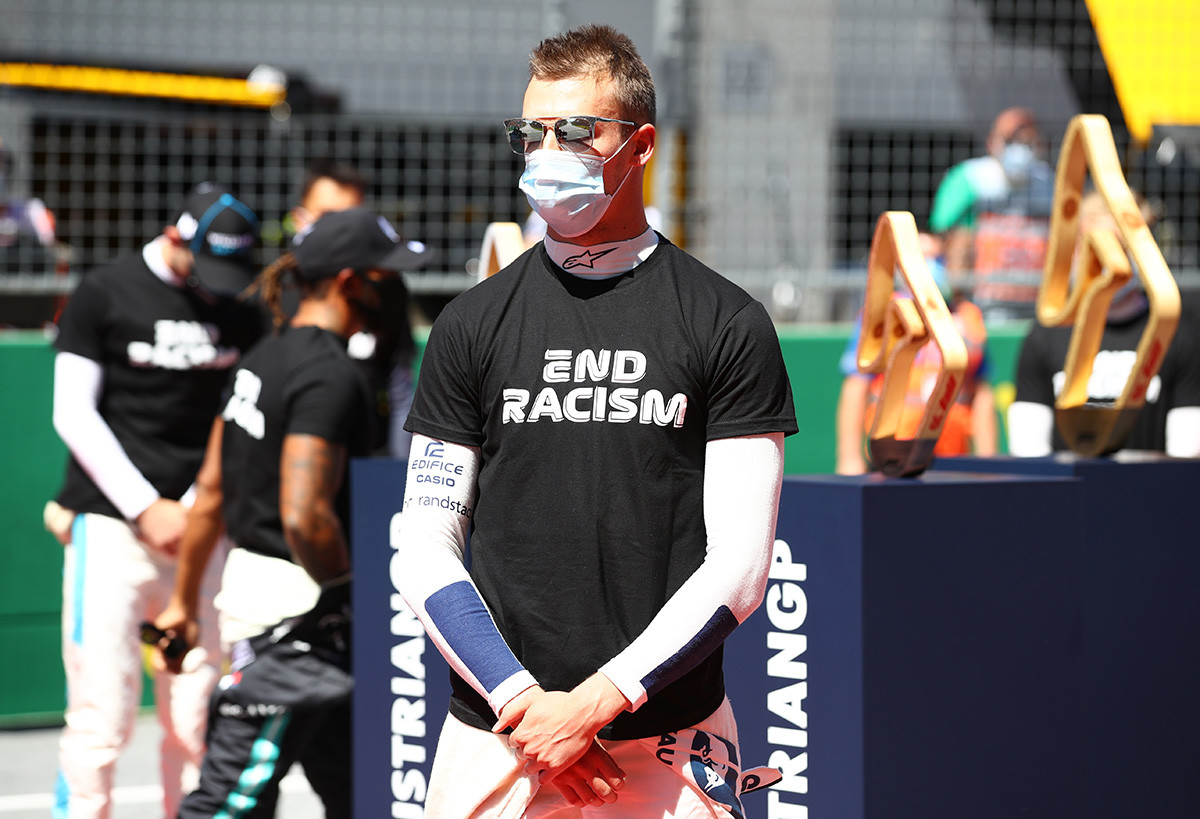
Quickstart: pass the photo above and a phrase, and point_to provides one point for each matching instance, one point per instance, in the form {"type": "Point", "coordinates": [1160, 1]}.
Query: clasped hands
{"type": "Point", "coordinates": [556, 732]}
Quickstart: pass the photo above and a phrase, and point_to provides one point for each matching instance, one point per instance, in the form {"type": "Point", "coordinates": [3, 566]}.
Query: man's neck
{"type": "Point", "coordinates": [155, 255]}
{"type": "Point", "coordinates": [327, 316]}
{"type": "Point", "coordinates": [602, 260]}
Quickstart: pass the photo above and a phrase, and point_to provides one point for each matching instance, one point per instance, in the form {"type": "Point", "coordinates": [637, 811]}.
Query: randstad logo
{"type": "Point", "coordinates": [433, 449]}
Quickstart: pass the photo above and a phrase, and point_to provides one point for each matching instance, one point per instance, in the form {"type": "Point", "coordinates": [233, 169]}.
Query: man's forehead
{"type": "Point", "coordinates": [573, 95]}
{"type": "Point", "coordinates": [328, 194]}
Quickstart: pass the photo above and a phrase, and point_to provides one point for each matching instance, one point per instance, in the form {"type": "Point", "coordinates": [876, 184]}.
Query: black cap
{"type": "Point", "coordinates": [358, 239]}
{"type": "Point", "coordinates": [221, 232]}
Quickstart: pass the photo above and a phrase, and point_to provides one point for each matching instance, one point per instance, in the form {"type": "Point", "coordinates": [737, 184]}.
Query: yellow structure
{"type": "Point", "coordinates": [1153, 55]}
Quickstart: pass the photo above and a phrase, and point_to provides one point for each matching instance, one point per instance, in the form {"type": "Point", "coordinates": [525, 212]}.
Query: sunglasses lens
{"type": "Point", "coordinates": [524, 135]}
{"type": "Point", "coordinates": [573, 133]}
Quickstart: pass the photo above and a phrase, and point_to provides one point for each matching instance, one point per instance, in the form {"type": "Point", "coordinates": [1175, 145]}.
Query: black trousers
{"type": "Point", "coordinates": [286, 700]}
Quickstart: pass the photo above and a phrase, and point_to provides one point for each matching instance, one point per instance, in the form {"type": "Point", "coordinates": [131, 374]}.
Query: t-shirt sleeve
{"type": "Point", "coordinates": [953, 202]}
{"type": "Point", "coordinates": [446, 404]}
{"type": "Point", "coordinates": [81, 325]}
{"type": "Point", "coordinates": [327, 401]}
{"type": "Point", "coordinates": [749, 391]}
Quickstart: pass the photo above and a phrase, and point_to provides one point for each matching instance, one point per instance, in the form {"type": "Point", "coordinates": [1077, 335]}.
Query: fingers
{"type": "Point", "coordinates": [592, 781]}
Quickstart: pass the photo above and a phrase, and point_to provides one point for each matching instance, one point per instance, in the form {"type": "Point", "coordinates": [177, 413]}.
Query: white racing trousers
{"type": "Point", "coordinates": [111, 583]}
{"type": "Point", "coordinates": [688, 774]}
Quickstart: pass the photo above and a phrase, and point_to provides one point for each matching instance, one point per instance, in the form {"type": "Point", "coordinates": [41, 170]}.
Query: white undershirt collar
{"type": "Point", "coordinates": [152, 254]}
{"type": "Point", "coordinates": [605, 260]}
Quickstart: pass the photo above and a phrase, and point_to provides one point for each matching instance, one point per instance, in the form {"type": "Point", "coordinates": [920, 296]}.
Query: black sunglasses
{"type": "Point", "coordinates": [573, 133]}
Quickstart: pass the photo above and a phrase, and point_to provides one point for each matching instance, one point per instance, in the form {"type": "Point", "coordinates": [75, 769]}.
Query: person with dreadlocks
{"type": "Point", "coordinates": [274, 476]}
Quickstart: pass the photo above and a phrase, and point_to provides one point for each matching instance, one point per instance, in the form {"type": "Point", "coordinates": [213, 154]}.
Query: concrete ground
{"type": "Point", "coordinates": [29, 765]}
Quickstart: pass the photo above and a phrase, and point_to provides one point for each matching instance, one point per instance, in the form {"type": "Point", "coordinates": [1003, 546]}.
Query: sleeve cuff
{"type": "Point", "coordinates": [134, 501]}
{"type": "Point", "coordinates": [627, 682]}
{"type": "Point", "coordinates": [505, 691]}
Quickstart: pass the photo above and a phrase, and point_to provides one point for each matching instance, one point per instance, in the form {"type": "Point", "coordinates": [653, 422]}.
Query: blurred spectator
{"type": "Point", "coordinates": [275, 475]}
{"type": "Point", "coordinates": [970, 426]}
{"type": "Point", "coordinates": [1170, 419]}
{"type": "Point", "coordinates": [328, 186]}
{"type": "Point", "coordinates": [389, 352]}
{"type": "Point", "coordinates": [144, 351]}
{"type": "Point", "coordinates": [26, 226]}
{"type": "Point", "coordinates": [993, 213]}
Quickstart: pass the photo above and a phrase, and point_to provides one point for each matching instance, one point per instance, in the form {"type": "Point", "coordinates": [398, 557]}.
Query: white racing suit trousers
{"type": "Point", "coordinates": [689, 774]}
{"type": "Point", "coordinates": [111, 583]}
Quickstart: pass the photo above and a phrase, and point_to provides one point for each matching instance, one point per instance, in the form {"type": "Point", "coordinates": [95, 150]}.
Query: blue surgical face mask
{"type": "Point", "coordinates": [567, 189]}
{"type": "Point", "coordinates": [1017, 160]}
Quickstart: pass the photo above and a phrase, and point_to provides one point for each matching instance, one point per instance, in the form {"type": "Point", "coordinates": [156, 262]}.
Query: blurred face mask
{"type": "Point", "coordinates": [567, 189]}
{"type": "Point", "coordinates": [1017, 160]}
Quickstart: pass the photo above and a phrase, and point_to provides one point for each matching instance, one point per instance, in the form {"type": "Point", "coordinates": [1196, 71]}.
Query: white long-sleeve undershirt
{"type": "Point", "coordinates": [78, 383]}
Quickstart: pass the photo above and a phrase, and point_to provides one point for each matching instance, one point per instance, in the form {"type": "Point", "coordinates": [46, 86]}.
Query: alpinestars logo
{"type": "Point", "coordinates": [606, 392]}
{"type": "Point", "coordinates": [585, 259]}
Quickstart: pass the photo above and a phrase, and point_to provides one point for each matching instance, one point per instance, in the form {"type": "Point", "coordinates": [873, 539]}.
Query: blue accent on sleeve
{"type": "Point", "coordinates": [714, 632]}
{"type": "Point", "coordinates": [459, 614]}
{"type": "Point", "coordinates": [848, 363]}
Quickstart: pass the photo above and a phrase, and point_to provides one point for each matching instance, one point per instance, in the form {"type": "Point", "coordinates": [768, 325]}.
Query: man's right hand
{"type": "Point", "coordinates": [161, 525]}
{"type": "Point", "coordinates": [593, 780]}
{"type": "Point", "coordinates": [176, 621]}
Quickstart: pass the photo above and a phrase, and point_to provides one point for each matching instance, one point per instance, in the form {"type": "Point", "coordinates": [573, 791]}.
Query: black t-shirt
{"type": "Point", "coordinates": [1044, 352]}
{"type": "Point", "coordinates": [592, 403]}
{"type": "Point", "coordinates": [300, 382]}
{"type": "Point", "coordinates": [166, 353]}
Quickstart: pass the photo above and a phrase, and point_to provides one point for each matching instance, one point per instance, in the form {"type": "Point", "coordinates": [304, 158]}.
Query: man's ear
{"type": "Point", "coordinates": [174, 236]}
{"type": "Point", "coordinates": [301, 219]}
{"type": "Point", "coordinates": [348, 283]}
{"type": "Point", "coordinates": [643, 143]}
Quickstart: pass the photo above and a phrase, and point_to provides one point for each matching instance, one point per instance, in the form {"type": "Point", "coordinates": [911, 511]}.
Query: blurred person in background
{"type": "Point", "coordinates": [26, 226]}
{"type": "Point", "coordinates": [388, 352]}
{"type": "Point", "coordinates": [1170, 419]}
{"type": "Point", "coordinates": [970, 426]}
{"type": "Point", "coordinates": [993, 213]}
{"type": "Point", "coordinates": [144, 350]}
{"type": "Point", "coordinates": [275, 475]}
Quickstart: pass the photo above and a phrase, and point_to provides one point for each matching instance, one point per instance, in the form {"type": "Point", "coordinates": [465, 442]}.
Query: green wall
{"type": "Point", "coordinates": [31, 677]}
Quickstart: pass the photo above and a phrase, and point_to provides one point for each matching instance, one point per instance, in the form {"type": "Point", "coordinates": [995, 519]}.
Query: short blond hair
{"type": "Point", "coordinates": [599, 51]}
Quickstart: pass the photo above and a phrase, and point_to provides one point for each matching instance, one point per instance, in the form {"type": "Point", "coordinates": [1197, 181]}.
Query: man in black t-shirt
{"type": "Point", "coordinates": [275, 476]}
{"type": "Point", "coordinates": [144, 349]}
{"type": "Point", "coordinates": [386, 353]}
{"type": "Point", "coordinates": [606, 416]}
{"type": "Point", "coordinates": [1169, 421]}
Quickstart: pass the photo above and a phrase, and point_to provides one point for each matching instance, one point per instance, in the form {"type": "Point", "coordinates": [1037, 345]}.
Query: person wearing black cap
{"type": "Point", "coordinates": [143, 352]}
{"type": "Point", "coordinates": [220, 232]}
{"type": "Point", "coordinates": [275, 477]}
{"type": "Point", "coordinates": [388, 352]}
